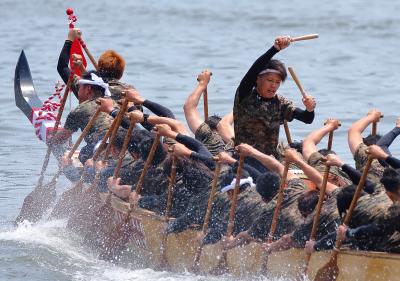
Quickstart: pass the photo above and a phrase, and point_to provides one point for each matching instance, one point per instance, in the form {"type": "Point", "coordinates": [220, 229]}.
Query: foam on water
{"type": "Point", "coordinates": [52, 248]}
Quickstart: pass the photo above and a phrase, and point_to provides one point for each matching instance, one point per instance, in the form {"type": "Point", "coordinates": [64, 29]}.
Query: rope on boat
{"type": "Point", "coordinates": [45, 117]}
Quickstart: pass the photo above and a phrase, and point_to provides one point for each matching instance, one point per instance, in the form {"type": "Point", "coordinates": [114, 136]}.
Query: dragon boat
{"type": "Point", "coordinates": [177, 251]}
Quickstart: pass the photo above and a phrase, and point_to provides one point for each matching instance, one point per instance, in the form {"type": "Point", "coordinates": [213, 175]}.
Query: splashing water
{"type": "Point", "coordinates": [51, 250]}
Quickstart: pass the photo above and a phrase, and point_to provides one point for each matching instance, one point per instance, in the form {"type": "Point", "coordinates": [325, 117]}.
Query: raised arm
{"type": "Point", "coordinates": [192, 115]}
{"type": "Point", "coordinates": [268, 161]}
{"type": "Point", "coordinates": [225, 128]}
{"type": "Point", "coordinates": [354, 175]}
{"type": "Point", "coordinates": [292, 156]}
{"type": "Point", "coordinates": [250, 78]}
{"type": "Point", "coordinates": [358, 127]}
{"type": "Point", "coordinates": [63, 60]}
{"type": "Point", "coordinates": [311, 141]}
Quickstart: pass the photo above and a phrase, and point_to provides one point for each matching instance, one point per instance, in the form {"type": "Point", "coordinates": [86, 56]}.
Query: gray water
{"type": "Point", "coordinates": [351, 68]}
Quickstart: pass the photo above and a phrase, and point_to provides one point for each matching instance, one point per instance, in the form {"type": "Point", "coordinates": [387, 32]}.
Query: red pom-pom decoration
{"type": "Point", "coordinates": [69, 11]}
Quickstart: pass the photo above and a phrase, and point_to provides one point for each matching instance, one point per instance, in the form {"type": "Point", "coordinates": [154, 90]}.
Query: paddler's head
{"type": "Point", "coordinates": [111, 65]}
{"type": "Point", "coordinates": [268, 185]}
{"type": "Point", "coordinates": [344, 198]}
{"type": "Point", "coordinates": [270, 78]}
{"type": "Point", "coordinates": [391, 182]}
{"type": "Point", "coordinates": [92, 86]}
{"type": "Point", "coordinates": [307, 202]}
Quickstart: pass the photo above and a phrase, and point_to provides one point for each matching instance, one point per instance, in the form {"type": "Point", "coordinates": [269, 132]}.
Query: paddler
{"type": "Point", "coordinates": [258, 110]}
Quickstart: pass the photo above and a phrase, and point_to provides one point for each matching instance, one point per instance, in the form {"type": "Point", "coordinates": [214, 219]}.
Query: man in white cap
{"type": "Point", "coordinates": [91, 87]}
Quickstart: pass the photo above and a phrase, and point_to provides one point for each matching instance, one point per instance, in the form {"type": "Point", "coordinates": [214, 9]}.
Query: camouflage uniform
{"type": "Point", "coordinates": [117, 87]}
{"type": "Point", "coordinates": [336, 175]}
{"type": "Point", "coordinates": [249, 207]}
{"type": "Point", "coordinates": [257, 120]}
{"type": "Point", "coordinates": [212, 140]}
{"type": "Point", "coordinates": [289, 215]}
{"type": "Point", "coordinates": [369, 208]}
{"type": "Point", "coordinates": [328, 221]}
{"type": "Point", "coordinates": [375, 172]}
{"type": "Point", "coordinates": [80, 116]}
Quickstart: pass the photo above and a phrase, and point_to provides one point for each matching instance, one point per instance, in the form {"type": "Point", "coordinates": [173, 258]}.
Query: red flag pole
{"type": "Point", "coordinates": [71, 20]}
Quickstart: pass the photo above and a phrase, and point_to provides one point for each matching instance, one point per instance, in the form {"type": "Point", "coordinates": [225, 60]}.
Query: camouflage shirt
{"type": "Point", "coordinates": [117, 87]}
{"type": "Point", "coordinates": [375, 172]}
{"type": "Point", "coordinates": [336, 175]}
{"type": "Point", "coordinates": [289, 215]}
{"type": "Point", "coordinates": [328, 221]}
{"type": "Point", "coordinates": [257, 120]}
{"type": "Point", "coordinates": [212, 140]}
{"type": "Point", "coordinates": [80, 116]}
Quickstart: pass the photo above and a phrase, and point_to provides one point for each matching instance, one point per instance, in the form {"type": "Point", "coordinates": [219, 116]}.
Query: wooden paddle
{"type": "Point", "coordinates": [172, 180]}
{"type": "Point", "coordinates": [214, 185]}
{"type": "Point", "coordinates": [222, 266]}
{"type": "Point", "coordinates": [40, 199]}
{"type": "Point", "coordinates": [297, 81]}
{"type": "Point", "coordinates": [205, 101]}
{"type": "Point", "coordinates": [330, 271]}
{"type": "Point", "coordinates": [317, 214]}
{"type": "Point", "coordinates": [120, 116]}
{"type": "Point", "coordinates": [147, 164]}
{"type": "Point", "coordinates": [374, 131]}
{"type": "Point", "coordinates": [93, 212]}
{"type": "Point", "coordinates": [117, 238]}
{"type": "Point", "coordinates": [304, 37]}
{"type": "Point", "coordinates": [68, 198]}
{"type": "Point", "coordinates": [275, 216]}
{"type": "Point", "coordinates": [330, 138]}
{"type": "Point", "coordinates": [287, 132]}
{"type": "Point", "coordinates": [89, 54]}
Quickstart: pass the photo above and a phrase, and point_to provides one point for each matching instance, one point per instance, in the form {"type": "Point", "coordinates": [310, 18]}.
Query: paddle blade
{"type": "Point", "coordinates": [37, 203]}
{"type": "Point", "coordinates": [76, 49]}
{"type": "Point", "coordinates": [329, 272]}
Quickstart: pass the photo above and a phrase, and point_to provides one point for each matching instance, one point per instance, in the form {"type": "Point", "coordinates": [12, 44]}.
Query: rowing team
{"type": "Point", "coordinates": [251, 131]}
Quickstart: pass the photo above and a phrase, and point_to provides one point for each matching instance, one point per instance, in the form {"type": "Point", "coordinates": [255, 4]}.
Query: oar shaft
{"type": "Point", "coordinates": [317, 213]}
{"type": "Point", "coordinates": [275, 216]}
{"type": "Point", "coordinates": [232, 210]}
{"type": "Point", "coordinates": [124, 149]}
{"type": "Point", "coordinates": [330, 140]}
{"type": "Point", "coordinates": [89, 54]}
{"type": "Point", "coordinates": [212, 196]}
{"type": "Point", "coordinates": [374, 129]}
{"type": "Point", "coordinates": [119, 117]}
{"type": "Point", "coordinates": [297, 81]}
{"type": "Point", "coordinates": [304, 37]}
{"type": "Point", "coordinates": [205, 100]}
{"type": "Point", "coordinates": [207, 216]}
{"type": "Point", "coordinates": [287, 132]}
{"type": "Point", "coordinates": [171, 184]}
{"type": "Point", "coordinates": [147, 164]}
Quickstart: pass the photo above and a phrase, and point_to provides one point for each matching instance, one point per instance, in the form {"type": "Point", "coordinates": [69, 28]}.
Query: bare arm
{"type": "Point", "coordinates": [225, 128]}
{"type": "Point", "coordinates": [284, 243]}
{"type": "Point", "coordinates": [176, 125]}
{"type": "Point", "coordinates": [309, 171]}
{"type": "Point", "coordinates": [358, 127]}
{"type": "Point", "coordinates": [243, 238]}
{"type": "Point", "coordinates": [192, 115]}
{"type": "Point", "coordinates": [311, 141]}
{"type": "Point", "coordinates": [268, 161]}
